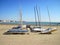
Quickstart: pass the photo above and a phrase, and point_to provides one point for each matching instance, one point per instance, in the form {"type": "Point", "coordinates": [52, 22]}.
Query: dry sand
{"type": "Point", "coordinates": [31, 39]}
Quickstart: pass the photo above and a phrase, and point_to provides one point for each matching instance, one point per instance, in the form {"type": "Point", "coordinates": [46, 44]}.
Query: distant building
{"type": "Point", "coordinates": [8, 21]}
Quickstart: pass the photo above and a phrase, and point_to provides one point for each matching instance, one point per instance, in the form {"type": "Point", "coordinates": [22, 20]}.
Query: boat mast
{"type": "Point", "coordinates": [35, 15]}
{"type": "Point", "coordinates": [49, 17]}
{"type": "Point", "coordinates": [37, 10]}
{"type": "Point", "coordinates": [39, 17]}
{"type": "Point", "coordinates": [21, 18]}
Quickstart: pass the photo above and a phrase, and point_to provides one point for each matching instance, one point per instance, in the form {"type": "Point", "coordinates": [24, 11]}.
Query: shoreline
{"type": "Point", "coordinates": [29, 24]}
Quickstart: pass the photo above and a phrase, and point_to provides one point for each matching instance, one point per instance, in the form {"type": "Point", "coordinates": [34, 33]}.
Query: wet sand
{"type": "Point", "coordinates": [31, 39]}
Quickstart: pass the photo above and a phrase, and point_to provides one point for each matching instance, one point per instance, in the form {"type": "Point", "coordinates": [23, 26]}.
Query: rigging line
{"type": "Point", "coordinates": [49, 17]}
{"type": "Point", "coordinates": [35, 16]}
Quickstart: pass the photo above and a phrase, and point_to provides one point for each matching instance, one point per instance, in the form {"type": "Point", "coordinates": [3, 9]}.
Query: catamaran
{"type": "Point", "coordinates": [50, 29]}
{"type": "Point", "coordinates": [18, 29]}
{"type": "Point", "coordinates": [38, 27]}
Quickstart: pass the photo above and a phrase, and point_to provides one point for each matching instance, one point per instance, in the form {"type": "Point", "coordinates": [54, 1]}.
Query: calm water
{"type": "Point", "coordinates": [32, 23]}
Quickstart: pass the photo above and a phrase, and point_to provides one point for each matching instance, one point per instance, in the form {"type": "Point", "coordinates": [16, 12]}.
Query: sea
{"type": "Point", "coordinates": [32, 23]}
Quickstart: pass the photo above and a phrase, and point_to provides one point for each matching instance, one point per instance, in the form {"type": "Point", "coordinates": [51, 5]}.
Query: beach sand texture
{"type": "Point", "coordinates": [31, 39]}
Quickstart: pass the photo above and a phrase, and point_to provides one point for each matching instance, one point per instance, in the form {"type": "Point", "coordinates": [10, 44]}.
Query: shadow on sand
{"type": "Point", "coordinates": [6, 33]}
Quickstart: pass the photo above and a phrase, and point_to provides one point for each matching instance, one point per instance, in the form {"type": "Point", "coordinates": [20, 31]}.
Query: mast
{"type": "Point", "coordinates": [21, 18]}
{"type": "Point", "coordinates": [39, 17]}
{"type": "Point", "coordinates": [49, 17]}
{"type": "Point", "coordinates": [35, 16]}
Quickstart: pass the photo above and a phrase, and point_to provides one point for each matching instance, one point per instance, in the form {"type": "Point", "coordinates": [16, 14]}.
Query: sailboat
{"type": "Point", "coordinates": [50, 29]}
{"type": "Point", "coordinates": [18, 29]}
{"type": "Point", "coordinates": [38, 27]}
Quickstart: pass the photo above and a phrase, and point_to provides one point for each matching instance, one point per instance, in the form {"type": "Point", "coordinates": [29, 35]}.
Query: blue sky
{"type": "Point", "coordinates": [10, 9]}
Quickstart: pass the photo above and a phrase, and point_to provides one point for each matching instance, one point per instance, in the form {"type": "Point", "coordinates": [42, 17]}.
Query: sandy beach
{"type": "Point", "coordinates": [31, 39]}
